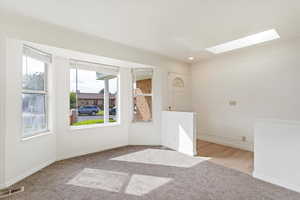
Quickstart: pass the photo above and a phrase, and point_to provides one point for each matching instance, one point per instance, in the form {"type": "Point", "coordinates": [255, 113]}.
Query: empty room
{"type": "Point", "coordinates": [153, 100]}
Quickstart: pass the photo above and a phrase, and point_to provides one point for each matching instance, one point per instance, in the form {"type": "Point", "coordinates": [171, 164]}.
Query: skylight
{"type": "Point", "coordinates": [245, 41]}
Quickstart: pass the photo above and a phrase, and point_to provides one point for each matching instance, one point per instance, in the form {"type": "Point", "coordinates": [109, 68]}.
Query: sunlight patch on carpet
{"type": "Point", "coordinates": [113, 181]}
{"type": "Point", "coordinates": [100, 179]}
{"type": "Point", "coordinates": [142, 184]}
{"type": "Point", "coordinates": [161, 157]}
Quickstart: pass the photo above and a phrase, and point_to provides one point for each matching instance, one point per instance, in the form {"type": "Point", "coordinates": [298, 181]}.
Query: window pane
{"type": "Point", "coordinates": [142, 94]}
{"type": "Point", "coordinates": [86, 97]}
{"type": "Point", "coordinates": [33, 74]}
{"type": "Point", "coordinates": [113, 101]}
{"type": "Point", "coordinates": [34, 113]}
{"type": "Point", "coordinates": [143, 81]}
{"type": "Point", "coordinates": [142, 108]}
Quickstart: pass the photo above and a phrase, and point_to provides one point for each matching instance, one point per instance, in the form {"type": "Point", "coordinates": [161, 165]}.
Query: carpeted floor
{"type": "Point", "coordinates": [150, 173]}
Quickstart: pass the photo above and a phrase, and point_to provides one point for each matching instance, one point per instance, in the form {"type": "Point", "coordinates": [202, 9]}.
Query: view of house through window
{"type": "Point", "coordinates": [34, 91]}
{"type": "Point", "coordinates": [93, 97]}
{"type": "Point", "coordinates": [142, 97]}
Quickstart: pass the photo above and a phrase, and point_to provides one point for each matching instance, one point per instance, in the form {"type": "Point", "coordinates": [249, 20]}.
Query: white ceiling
{"type": "Point", "coordinates": [175, 28]}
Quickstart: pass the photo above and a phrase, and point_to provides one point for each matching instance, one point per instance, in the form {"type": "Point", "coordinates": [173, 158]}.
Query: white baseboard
{"type": "Point", "coordinates": [78, 154]}
{"type": "Point", "coordinates": [27, 173]}
{"type": "Point", "coordinates": [248, 146]}
{"type": "Point", "coordinates": [276, 181]}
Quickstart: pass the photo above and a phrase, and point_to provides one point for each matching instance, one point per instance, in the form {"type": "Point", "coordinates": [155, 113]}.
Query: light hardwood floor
{"type": "Point", "coordinates": [226, 156]}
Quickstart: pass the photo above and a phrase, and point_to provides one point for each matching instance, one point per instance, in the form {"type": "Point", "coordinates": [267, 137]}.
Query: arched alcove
{"type": "Point", "coordinates": [178, 83]}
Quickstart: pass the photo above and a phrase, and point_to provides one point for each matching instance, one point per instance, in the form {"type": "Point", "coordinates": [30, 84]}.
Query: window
{"type": "Point", "coordinates": [142, 94]}
{"type": "Point", "coordinates": [93, 94]}
{"type": "Point", "coordinates": [34, 91]}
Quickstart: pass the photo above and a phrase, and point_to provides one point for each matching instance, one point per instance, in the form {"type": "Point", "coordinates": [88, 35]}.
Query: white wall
{"type": "Point", "coordinates": [24, 157]}
{"type": "Point", "coordinates": [25, 28]}
{"type": "Point", "coordinates": [180, 97]}
{"type": "Point", "coordinates": [179, 131]}
{"type": "Point", "coordinates": [277, 150]}
{"type": "Point", "coordinates": [263, 80]}
{"type": "Point", "coordinates": [73, 142]}
{"type": "Point", "coordinates": [149, 132]}
{"type": "Point", "coordinates": [2, 106]}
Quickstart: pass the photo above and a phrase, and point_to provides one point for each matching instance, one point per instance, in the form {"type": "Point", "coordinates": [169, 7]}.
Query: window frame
{"type": "Point", "coordinates": [134, 95]}
{"type": "Point", "coordinates": [98, 68]}
{"type": "Point", "coordinates": [44, 92]}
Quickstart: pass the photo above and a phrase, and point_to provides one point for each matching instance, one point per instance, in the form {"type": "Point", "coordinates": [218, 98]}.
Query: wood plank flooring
{"type": "Point", "coordinates": [226, 156]}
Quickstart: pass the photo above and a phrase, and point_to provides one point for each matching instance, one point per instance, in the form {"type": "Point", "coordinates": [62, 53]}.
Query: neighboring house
{"type": "Point", "coordinates": [95, 99]}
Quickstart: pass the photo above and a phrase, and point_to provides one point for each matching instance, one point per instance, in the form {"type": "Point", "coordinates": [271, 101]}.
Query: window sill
{"type": "Point", "coordinates": [94, 126]}
{"type": "Point", "coordinates": [37, 135]}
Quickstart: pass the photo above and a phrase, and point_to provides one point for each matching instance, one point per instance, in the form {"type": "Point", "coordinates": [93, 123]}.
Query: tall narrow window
{"type": "Point", "coordinates": [34, 91]}
{"type": "Point", "coordinates": [142, 94]}
{"type": "Point", "coordinates": [93, 94]}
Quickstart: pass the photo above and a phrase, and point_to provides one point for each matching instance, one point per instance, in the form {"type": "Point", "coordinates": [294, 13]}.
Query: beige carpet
{"type": "Point", "coordinates": [150, 173]}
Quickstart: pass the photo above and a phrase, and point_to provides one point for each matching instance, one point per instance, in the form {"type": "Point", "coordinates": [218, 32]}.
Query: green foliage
{"type": "Point", "coordinates": [72, 100]}
{"type": "Point", "coordinates": [93, 121]}
{"type": "Point", "coordinates": [100, 113]}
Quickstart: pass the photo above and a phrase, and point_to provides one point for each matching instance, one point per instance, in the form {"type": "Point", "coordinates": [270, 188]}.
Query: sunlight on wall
{"type": "Point", "coordinates": [185, 142]}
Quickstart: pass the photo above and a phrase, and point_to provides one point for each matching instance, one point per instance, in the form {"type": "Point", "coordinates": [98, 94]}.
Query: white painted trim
{"type": "Point", "coordinates": [134, 94]}
{"type": "Point", "coordinates": [106, 101]}
{"type": "Point", "coordinates": [39, 134]}
{"type": "Point", "coordinates": [275, 181]}
{"type": "Point", "coordinates": [109, 124]}
{"type": "Point", "coordinates": [28, 173]}
{"type": "Point", "coordinates": [248, 146]}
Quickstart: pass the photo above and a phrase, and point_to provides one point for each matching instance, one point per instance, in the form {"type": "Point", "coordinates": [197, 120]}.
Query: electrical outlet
{"type": "Point", "coordinates": [244, 139]}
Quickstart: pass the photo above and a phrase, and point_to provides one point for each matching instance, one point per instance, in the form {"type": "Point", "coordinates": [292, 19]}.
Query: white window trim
{"type": "Point", "coordinates": [93, 126]}
{"type": "Point", "coordinates": [105, 69]}
{"type": "Point", "coordinates": [44, 133]}
{"type": "Point", "coordinates": [145, 95]}
{"type": "Point", "coordinates": [46, 59]}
